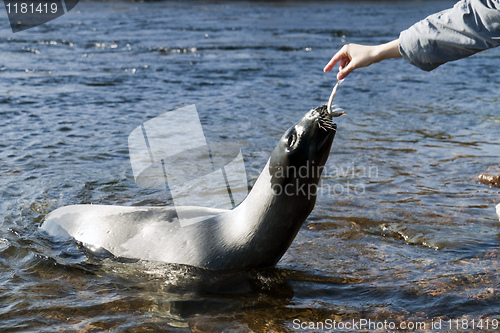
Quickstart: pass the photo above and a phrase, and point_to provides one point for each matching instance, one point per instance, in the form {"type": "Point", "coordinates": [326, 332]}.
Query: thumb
{"type": "Point", "coordinates": [344, 71]}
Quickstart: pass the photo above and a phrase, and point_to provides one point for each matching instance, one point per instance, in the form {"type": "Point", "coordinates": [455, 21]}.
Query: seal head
{"type": "Point", "coordinates": [298, 160]}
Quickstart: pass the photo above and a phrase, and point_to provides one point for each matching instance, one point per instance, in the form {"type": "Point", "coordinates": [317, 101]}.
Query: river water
{"type": "Point", "coordinates": [402, 232]}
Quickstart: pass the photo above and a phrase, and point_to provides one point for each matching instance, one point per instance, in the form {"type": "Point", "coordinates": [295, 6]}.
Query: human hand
{"type": "Point", "coordinates": [353, 56]}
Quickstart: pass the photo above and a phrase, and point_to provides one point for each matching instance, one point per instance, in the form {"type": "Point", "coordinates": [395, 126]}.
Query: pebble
{"type": "Point", "coordinates": [491, 176]}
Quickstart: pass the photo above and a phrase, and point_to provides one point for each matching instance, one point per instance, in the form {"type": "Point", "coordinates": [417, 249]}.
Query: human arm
{"type": "Point", "coordinates": [353, 56]}
{"type": "Point", "coordinates": [467, 28]}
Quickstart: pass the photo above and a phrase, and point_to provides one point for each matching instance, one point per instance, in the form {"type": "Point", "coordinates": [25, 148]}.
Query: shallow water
{"type": "Point", "coordinates": [402, 231]}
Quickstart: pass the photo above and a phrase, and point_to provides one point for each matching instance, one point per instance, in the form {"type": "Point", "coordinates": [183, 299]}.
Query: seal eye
{"type": "Point", "coordinates": [292, 139]}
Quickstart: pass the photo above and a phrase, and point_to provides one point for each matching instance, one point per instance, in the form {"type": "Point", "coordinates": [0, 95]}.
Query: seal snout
{"type": "Point", "coordinates": [324, 119]}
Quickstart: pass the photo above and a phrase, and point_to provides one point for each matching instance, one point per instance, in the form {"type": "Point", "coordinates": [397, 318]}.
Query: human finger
{"type": "Point", "coordinates": [335, 59]}
{"type": "Point", "coordinates": [345, 71]}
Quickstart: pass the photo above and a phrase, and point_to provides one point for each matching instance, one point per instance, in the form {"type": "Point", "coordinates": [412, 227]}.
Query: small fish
{"type": "Point", "coordinates": [337, 112]}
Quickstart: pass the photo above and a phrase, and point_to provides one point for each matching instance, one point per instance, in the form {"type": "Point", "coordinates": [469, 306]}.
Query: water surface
{"type": "Point", "coordinates": [402, 231]}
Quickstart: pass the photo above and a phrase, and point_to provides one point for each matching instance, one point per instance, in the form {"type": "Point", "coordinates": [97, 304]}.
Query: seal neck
{"type": "Point", "coordinates": [267, 221]}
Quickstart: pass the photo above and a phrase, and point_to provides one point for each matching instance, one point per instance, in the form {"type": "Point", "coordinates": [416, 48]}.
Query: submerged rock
{"type": "Point", "coordinates": [491, 176]}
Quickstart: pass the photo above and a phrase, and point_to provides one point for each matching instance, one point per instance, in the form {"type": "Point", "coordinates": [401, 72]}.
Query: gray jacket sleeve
{"type": "Point", "coordinates": [467, 28]}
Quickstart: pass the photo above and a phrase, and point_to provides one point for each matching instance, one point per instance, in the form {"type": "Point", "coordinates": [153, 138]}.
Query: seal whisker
{"type": "Point", "coordinates": [325, 121]}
